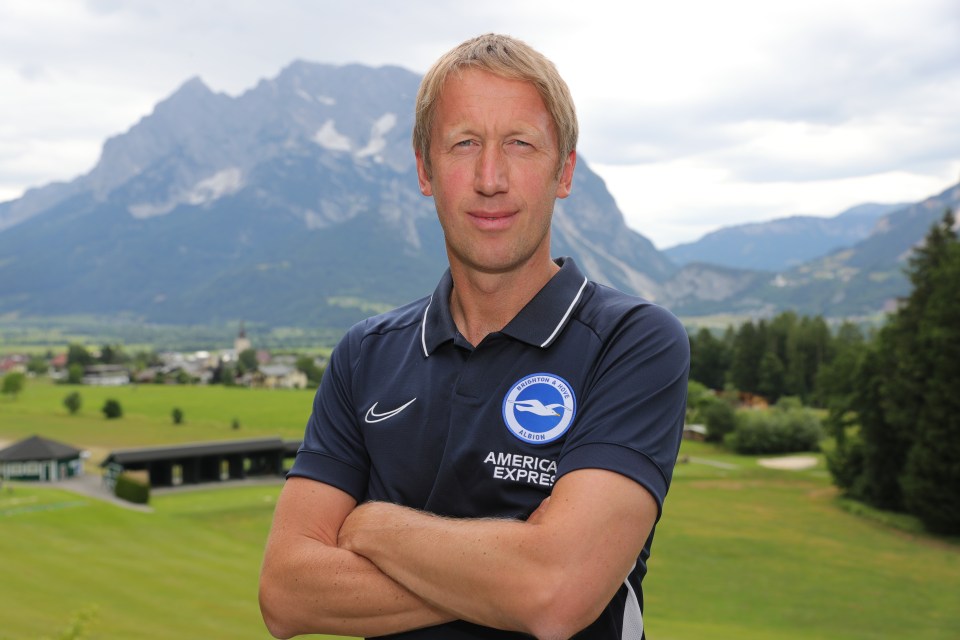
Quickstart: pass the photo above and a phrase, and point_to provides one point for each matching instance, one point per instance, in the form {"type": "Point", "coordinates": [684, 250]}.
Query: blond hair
{"type": "Point", "coordinates": [508, 58]}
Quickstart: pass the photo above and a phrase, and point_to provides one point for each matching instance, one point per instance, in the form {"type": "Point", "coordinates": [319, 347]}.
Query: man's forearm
{"type": "Point", "coordinates": [342, 594]}
{"type": "Point", "coordinates": [549, 576]}
{"type": "Point", "coordinates": [308, 585]}
{"type": "Point", "coordinates": [431, 557]}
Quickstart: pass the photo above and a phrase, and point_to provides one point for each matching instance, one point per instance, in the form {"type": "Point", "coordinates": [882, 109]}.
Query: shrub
{"type": "Point", "coordinates": [177, 415]}
{"type": "Point", "coordinates": [112, 409]}
{"type": "Point", "coordinates": [720, 418]}
{"type": "Point", "coordinates": [75, 373]}
{"type": "Point", "coordinates": [235, 424]}
{"type": "Point", "coordinates": [783, 429]}
{"type": "Point", "coordinates": [132, 490]}
{"type": "Point", "coordinates": [698, 397]}
{"type": "Point", "coordinates": [845, 464]}
{"type": "Point", "coordinates": [13, 383]}
{"type": "Point", "coordinates": [73, 402]}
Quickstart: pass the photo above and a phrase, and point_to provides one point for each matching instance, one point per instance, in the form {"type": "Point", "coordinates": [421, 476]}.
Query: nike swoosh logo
{"type": "Point", "coordinates": [372, 416]}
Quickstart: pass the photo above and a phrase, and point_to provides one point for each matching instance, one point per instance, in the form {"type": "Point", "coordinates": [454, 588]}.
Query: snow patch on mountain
{"type": "Point", "coordinates": [220, 184]}
{"type": "Point", "coordinates": [329, 138]}
{"type": "Point", "coordinates": [326, 101]}
{"type": "Point", "coordinates": [378, 131]}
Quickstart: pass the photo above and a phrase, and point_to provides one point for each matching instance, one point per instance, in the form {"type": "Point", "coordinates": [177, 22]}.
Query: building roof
{"type": "Point", "coordinates": [277, 370]}
{"type": "Point", "coordinates": [196, 449]}
{"type": "Point", "coordinates": [37, 448]}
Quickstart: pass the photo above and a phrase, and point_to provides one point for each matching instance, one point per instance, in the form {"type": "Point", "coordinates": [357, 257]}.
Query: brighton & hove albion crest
{"type": "Point", "coordinates": [539, 408]}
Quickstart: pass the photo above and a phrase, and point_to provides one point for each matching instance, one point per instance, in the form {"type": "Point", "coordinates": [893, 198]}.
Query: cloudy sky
{"type": "Point", "coordinates": [697, 113]}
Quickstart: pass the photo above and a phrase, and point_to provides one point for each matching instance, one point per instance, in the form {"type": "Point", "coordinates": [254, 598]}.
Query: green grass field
{"type": "Point", "coordinates": [208, 411]}
{"type": "Point", "coordinates": [743, 552]}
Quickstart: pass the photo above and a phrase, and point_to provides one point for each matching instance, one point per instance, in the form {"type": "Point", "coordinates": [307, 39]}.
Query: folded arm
{"type": "Point", "coordinates": [549, 576]}
{"type": "Point", "coordinates": [308, 585]}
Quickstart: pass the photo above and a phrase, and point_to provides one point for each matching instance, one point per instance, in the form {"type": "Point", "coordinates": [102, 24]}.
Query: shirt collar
{"type": "Point", "coordinates": [538, 323]}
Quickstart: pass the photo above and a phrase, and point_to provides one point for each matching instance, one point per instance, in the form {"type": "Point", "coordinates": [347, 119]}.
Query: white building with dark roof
{"type": "Point", "coordinates": [38, 458]}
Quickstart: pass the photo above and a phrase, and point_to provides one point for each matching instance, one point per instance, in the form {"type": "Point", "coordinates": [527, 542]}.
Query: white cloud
{"type": "Point", "coordinates": [679, 201]}
{"type": "Point", "coordinates": [697, 113]}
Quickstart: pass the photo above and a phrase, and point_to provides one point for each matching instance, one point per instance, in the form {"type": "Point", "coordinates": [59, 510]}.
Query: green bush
{"type": "Point", "coordinates": [13, 383]}
{"type": "Point", "coordinates": [698, 397]}
{"type": "Point", "coordinates": [132, 490]}
{"type": "Point", "coordinates": [177, 415]}
{"type": "Point", "coordinates": [74, 373]}
{"type": "Point", "coordinates": [720, 418]}
{"type": "Point", "coordinates": [73, 402]}
{"type": "Point", "coordinates": [845, 464]}
{"type": "Point", "coordinates": [112, 409]}
{"type": "Point", "coordinates": [783, 429]}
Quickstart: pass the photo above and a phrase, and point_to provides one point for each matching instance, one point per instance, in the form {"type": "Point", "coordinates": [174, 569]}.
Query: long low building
{"type": "Point", "coordinates": [193, 463]}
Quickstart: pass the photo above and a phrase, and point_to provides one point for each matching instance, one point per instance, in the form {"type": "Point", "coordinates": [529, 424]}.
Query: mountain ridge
{"type": "Point", "coordinates": [296, 202]}
{"type": "Point", "coordinates": [781, 243]}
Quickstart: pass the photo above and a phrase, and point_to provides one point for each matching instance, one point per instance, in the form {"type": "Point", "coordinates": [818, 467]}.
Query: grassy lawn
{"type": "Point", "coordinates": [750, 552]}
{"type": "Point", "coordinates": [743, 551]}
{"type": "Point", "coordinates": [187, 570]}
{"type": "Point", "coordinates": [208, 411]}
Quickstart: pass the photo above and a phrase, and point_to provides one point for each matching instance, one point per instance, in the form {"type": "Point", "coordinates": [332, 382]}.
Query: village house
{"type": "Point", "coordinates": [40, 459]}
{"type": "Point", "coordinates": [106, 375]}
{"type": "Point", "coordinates": [279, 376]}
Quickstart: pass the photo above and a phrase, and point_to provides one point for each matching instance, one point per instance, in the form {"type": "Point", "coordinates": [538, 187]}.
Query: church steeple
{"type": "Point", "coordinates": [241, 343]}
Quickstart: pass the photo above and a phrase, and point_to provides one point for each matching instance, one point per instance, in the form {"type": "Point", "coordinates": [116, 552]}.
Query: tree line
{"type": "Point", "coordinates": [891, 397]}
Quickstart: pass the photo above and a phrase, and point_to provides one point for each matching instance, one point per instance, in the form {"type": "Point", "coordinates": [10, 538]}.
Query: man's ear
{"type": "Point", "coordinates": [566, 175]}
{"type": "Point", "coordinates": [423, 176]}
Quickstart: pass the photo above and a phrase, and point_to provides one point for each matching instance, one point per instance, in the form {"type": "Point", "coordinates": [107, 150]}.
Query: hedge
{"type": "Point", "coordinates": [132, 490]}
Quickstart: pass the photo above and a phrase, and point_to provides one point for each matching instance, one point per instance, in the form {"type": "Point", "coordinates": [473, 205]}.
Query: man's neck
{"type": "Point", "coordinates": [484, 303]}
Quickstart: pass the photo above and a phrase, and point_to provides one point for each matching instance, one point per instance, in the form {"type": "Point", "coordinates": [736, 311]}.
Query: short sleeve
{"type": "Point", "coordinates": [332, 451]}
{"type": "Point", "coordinates": [630, 419]}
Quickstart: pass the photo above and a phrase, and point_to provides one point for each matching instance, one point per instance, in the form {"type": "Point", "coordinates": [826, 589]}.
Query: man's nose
{"type": "Point", "coordinates": [491, 177]}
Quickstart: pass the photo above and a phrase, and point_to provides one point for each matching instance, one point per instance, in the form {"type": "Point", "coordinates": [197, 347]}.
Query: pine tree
{"type": "Point", "coordinates": [884, 443]}
{"type": "Point", "coordinates": [770, 379]}
{"type": "Point", "coordinates": [709, 359]}
{"type": "Point", "coordinates": [907, 400]}
{"type": "Point", "coordinates": [931, 478]}
{"type": "Point", "coordinates": [748, 349]}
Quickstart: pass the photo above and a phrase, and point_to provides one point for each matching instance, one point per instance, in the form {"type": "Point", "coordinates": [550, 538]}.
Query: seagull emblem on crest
{"type": "Point", "coordinates": [536, 407]}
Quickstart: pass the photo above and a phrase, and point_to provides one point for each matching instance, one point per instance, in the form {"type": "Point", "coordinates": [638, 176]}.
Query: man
{"type": "Point", "coordinates": [490, 461]}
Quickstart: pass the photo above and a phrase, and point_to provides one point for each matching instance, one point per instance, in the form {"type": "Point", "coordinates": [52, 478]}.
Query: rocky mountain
{"type": "Point", "coordinates": [783, 243]}
{"type": "Point", "coordinates": [860, 280]}
{"type": "Point", "coordinates": [294, 203]}
{"type": "Point", "coordinates": [866, 277]}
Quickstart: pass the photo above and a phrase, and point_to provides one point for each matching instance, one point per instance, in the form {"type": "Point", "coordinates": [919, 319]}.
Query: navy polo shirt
{"type": "Point", "coordinates": [583, 377]}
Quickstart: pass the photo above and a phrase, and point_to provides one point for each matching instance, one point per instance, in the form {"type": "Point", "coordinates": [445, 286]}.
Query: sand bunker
{"type": "Point", "coordinates": [792, 463]}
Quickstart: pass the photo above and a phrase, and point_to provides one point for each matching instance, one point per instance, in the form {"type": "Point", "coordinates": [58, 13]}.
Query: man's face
{"type": "Point", "coordinates": [494, 177]}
